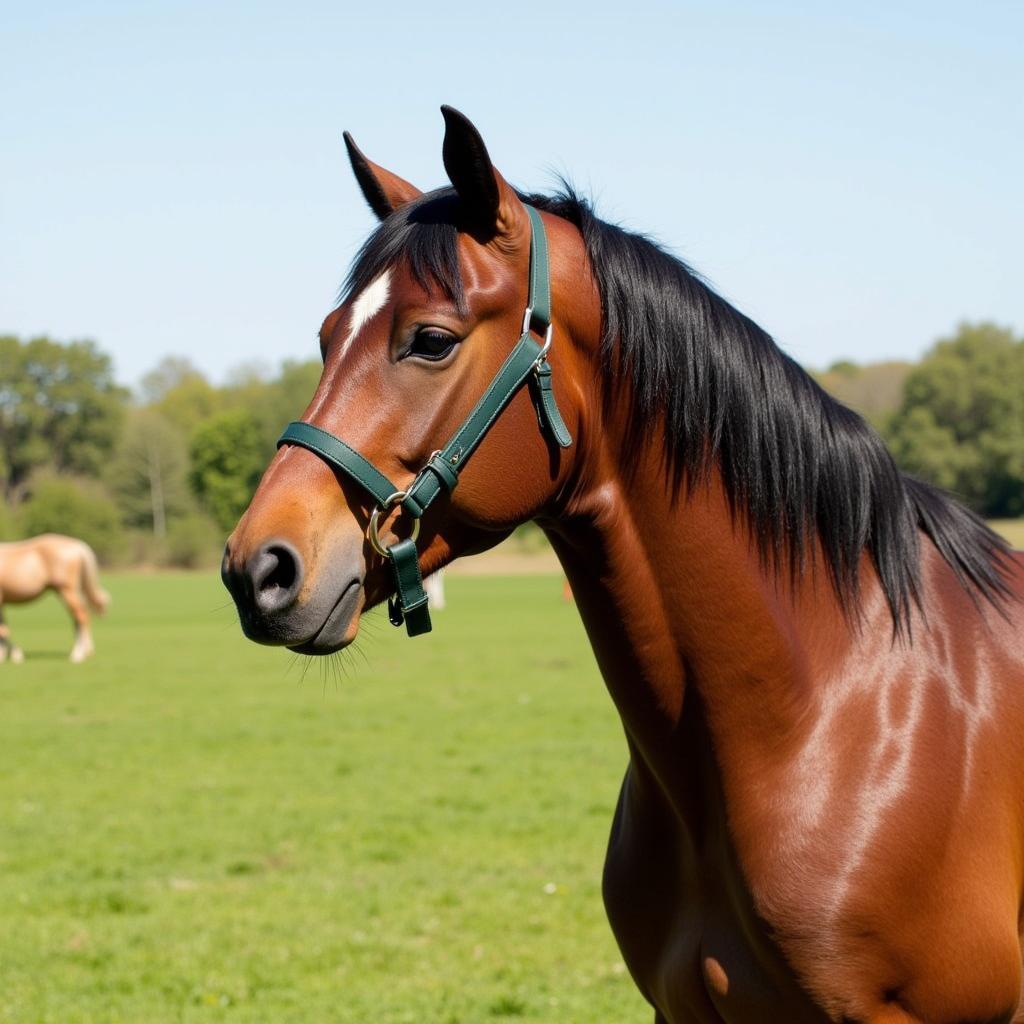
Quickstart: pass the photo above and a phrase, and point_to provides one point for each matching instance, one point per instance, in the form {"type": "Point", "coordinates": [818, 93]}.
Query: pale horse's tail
{"type": "Point", "coordinates": [98, 597]}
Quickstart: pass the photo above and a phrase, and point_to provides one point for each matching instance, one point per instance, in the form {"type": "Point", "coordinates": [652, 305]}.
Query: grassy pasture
{"type": "Point", "coordinates": [196, 829]}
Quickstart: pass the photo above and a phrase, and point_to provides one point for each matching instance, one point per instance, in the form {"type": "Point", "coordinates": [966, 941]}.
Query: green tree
{"type": "Point", "coordinates": [961, 422]}
{"type": "Point", "coordinates": [59, 407]}
{"type": "Point", "coordinates": [169, 373]}
{"type": "Point", "coordinates": [194, 541]}
{"type": "Point", "coordinates": [180, 393]}
{"type": "Point", "coordinates": [875, 390]}
{"type": "Point", "coordinates": [274, 402]}
{"type": "Point", "coordinates": [79, 508]}
{"type": "Point", "coordinates": [9, 526]}
{"type": "Point", "coordinates": [148, 473]}
{"type": "Point", "coordinates": [227, 460]}
{"type": "Point", "coordinates": [293, 390]}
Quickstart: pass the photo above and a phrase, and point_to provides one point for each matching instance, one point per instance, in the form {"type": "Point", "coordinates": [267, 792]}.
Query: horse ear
{"type": "Point", "coordinates": [492, 205]}
{"type": "Point", "coordinates": [384, 191]}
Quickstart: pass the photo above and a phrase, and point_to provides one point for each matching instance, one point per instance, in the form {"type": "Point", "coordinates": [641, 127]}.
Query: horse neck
{"type": "Point", "coordinates": [679, 607]}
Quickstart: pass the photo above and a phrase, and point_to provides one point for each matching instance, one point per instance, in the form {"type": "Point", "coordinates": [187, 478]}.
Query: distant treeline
{"type": "Point", "coordinates": [160, 476]}
{"type": "Point", "coordinates": [956, 418]}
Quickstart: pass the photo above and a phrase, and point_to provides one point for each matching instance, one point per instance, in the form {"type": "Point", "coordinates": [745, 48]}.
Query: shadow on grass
{"type": "Point", "coordinates": [31, 655]}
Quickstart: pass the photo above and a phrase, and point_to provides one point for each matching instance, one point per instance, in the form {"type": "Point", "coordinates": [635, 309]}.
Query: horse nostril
{"type": "Point", "coordinates": [284, 573]}
{"type": "Point", "coordinates": [275, 572]}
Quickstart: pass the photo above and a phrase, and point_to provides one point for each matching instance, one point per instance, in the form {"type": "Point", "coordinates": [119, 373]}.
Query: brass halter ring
{"type": "Point", "coordinates": [373, 531]}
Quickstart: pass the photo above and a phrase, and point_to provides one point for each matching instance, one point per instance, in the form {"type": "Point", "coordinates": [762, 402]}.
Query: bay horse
{"type": "Point", "coordinates": [818, 661]}
{"type": "Point", "coordinates": [51, 561]}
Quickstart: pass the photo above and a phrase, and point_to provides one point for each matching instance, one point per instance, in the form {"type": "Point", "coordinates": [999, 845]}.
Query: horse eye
{"type": "Point", "coordinates": [431, 343]}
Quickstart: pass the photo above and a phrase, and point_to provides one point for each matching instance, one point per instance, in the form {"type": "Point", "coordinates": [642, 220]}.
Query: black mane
{"type": "Point", "coordinates": [795, 463]}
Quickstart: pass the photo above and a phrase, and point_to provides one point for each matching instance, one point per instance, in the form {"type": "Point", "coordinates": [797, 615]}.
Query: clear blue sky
{"type": "Point", "coordinates": [173, 177]}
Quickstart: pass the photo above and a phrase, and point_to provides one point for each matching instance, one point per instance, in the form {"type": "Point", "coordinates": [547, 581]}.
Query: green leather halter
{"type": "Point", "coordinates": [527, 362]}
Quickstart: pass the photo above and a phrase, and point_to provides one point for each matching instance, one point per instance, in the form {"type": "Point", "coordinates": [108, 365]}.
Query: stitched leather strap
{"type": "Point", "coordinates": [539, 299]}
{"type": "Point", "coordinates": [509, 379]}
{"type": "Point", "coordinates": [333, 450]}
{"type": "Point", "coordinates": [410, 601]}
{"type": "Point", "coordinates": [547, 408]}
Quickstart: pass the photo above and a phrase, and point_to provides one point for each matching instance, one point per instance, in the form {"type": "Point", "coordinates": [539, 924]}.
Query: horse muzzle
{"type": "Point", "coordinates": [278, 605]}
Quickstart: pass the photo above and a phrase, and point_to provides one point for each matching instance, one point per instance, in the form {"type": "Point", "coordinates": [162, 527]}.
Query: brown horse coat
{"type": "Point", "coordinates": [819, 664]}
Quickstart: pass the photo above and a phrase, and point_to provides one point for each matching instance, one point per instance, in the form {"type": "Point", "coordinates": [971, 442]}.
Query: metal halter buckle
{"type": "Point", "coordinates": [527, 317]}
{"type": "Point", "coordinates": [373, 530]}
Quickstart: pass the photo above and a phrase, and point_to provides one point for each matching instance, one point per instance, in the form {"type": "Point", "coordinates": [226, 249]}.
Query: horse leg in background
{"type": "Point", "coordinates": [434, 586]}
{"type": "Point", "coordinates": [8, 649]}
{"type": "Point", "coordinates": [72, 597]}
{"type": "Point", "coordinates": [79, 593]}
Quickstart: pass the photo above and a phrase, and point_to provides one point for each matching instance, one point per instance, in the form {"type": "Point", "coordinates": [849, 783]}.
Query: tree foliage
{"type": "Point", "coordinates": [875, 390]}
{"type": "Point", "coordinates": [961, 421]}
{"type": "Point", "coordinates": [149, 471]}
{"type": "Point", "coordinates": [227, 461]}
{"type": "Point", "coordinates": [274, 402]}
{"type": "Point", "coordinates": [174, 469]}
{"type": "Point", "coordinates": [172, 472]}
{"type": "Point", "coordinates": [9, 526]}
{"type": "Point", "coordinates": [59, 407]}
{"type": "Point", "coordinates": [78, 508]}
{"type": "Point", "coordinates": [194, 541]}
{"type": "Point", "coordinates": [181, 394]}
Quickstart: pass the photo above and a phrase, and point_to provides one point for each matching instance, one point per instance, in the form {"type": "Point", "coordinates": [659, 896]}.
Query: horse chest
{"type": "Point", "coordinates": [684, 922]}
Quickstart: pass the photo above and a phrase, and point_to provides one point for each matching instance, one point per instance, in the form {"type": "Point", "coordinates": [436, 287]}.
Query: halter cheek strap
{"type": "Point", "coordinates": [527, 362]}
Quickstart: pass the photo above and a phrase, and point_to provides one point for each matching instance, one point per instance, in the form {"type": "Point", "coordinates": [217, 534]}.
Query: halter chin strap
{"type": "Point", "coordinates": [527, 362]}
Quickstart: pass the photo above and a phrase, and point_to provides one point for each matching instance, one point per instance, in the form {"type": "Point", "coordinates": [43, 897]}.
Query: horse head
{"type": "Point", "coordinates": [432, 308]}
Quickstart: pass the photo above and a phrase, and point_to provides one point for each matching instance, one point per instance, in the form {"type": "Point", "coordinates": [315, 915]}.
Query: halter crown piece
{"type": "Point", "coordinates": [527, 362]}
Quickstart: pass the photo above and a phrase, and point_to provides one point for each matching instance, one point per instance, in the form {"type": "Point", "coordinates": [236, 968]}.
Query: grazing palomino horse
{"type": "Point", "coordinates": [818, 662]}
{"type": "Point", "coordinates": [51, 562]}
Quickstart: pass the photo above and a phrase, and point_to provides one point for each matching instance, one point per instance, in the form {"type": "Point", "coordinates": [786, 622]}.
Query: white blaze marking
{"type": "Point", "coordinates": [370, 302]}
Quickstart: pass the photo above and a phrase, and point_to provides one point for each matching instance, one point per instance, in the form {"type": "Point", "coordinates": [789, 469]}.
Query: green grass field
{"type": "Point", "coordinates": [198, 829]}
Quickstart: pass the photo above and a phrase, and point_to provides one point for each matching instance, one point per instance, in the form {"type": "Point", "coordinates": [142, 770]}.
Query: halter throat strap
{"type": "Point", "coordinates": [526, 362]}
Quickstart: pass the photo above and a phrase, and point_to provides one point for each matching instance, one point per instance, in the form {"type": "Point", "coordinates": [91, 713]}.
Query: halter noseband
{"type": "Point", "coordinates": [527, 362]}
